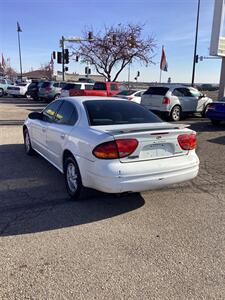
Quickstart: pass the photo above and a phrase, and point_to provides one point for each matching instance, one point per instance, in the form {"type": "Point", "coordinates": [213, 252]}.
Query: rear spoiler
{"type": "Point", "coordinates": [119, 131]}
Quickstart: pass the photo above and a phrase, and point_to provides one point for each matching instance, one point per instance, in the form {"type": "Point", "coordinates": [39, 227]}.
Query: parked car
{"type": "Point", "coordinates": [86, 80]}
{"type": "Point", "coordinates": [65, 92]}
{"type": "Point", "coordinates": [33, 89]}
{"type": "Point", "coordinates": [216, 111]}
{"type": "Point", "coordinates": [132, 95]}
{"type": "Point", "coordinates": [173, 101]}
{"type": "Point", "coordinates": [103, 89]}
{"type": "Point", "coordinates": [4, 84]}
{"type": "Point", "coordinates": [112, 146]}
{"type": "Point", "coordinates": [19, 90]}
{"type": "Point", "coordinates": [50, 90]}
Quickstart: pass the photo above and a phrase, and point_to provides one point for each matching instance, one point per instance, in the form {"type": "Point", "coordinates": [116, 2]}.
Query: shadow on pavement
{"type": "Point", "coordinates": [219, 140]}
{"type": "Point", "coordinates": [33, 197]}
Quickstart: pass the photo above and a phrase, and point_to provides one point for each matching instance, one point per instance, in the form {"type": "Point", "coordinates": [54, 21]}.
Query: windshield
{"type": "Point", "coordinates": [106, 112]}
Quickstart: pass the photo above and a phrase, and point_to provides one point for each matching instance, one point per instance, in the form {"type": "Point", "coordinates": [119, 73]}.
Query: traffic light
{"type": "Point", "coordinates": [54, 55]}
{"type": "Point", "coordinates": [66, 56]}
{"type": "Point", "coordinates": [114, 39]}
{"type": "Point", "coordinates": [77, 58]}
{"type": "Point", "coordinates": [196, 59]}
{"type": "Point", "coordinates": [59, 57]}
{"type": "Point", "coordinates": [87, 71]}
{"type": "Point", "coordinates": [138, 73]}
{"type": "Point", "coordinates": [90, 36]}
{"type": "Point", "coordinates": [66, 69]}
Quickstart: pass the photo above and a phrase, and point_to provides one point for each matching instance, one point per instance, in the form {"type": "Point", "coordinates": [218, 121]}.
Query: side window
{"type": "Point", "coordinates": [113, 87]}
{"type": "Point", "coordinates": [138, 94]}
{"type": "Point", "coordinates": [123, 88]}
{"type": "Point", "coordinates": [178, 93]}
{"type": "Point", "coordinates": [56, 84]}
{"type": "Point", "coordinates": [51, 110]}
{"type": "Point", "coordinates": [187, 93]}
{"type": "Point", "coordinates": [67, 114]}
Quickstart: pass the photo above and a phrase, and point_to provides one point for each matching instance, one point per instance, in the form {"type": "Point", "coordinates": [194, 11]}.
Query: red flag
{"type": "Point", "coordinates": [163, 62]}
{"type": "Point", "coordinates": [3, 61]}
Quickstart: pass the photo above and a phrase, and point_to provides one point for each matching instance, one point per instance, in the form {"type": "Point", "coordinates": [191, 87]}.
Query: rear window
{"type": "Point", "coordinates": [32, 85]}
{"type": "Point", "coordinates": [100, 86]}
{"type": "Point", "coordinates": [21, 84]}
{"type": "Point", "coordinates": [45, 84]}
{"type": "Point", "coordinates": [112, 112]}
{"type": "Point", "coordinates": [88, 86]}
{"type": "Point", "coordinates": [160, 91]}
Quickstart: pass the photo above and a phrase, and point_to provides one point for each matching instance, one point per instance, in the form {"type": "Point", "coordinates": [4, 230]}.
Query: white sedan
{"type": "Point", "coordinates": [132, 95]}
{"type": "Point", "coordinates": [111, 145]}
{"type": "Point", "coordinates": [19, 90]}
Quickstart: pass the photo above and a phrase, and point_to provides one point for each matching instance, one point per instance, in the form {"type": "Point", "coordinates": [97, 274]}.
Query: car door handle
{"type": "Point", "coordinates": [62, 135]}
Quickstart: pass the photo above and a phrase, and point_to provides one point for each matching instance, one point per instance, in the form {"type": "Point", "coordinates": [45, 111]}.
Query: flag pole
{"type": "Point", "coordinates": [160, 75]}
{"type": "Point", "coordinates": [18, 31]}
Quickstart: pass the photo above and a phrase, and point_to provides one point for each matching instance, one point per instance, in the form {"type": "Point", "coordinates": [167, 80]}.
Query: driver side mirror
{"type": "Point", "coordinates": [35, 116]}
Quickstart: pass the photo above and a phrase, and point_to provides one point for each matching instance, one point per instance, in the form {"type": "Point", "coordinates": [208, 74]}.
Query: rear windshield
{"type": "Point", "coordinates": [100, 86]}
{"type": "Point", "coordinates": [88, 86]}
{"type": "Point", "coordinates": [32, 85]}
{"type": "Point", "coordinates": [45, 84]}
{"type": "Point", "coordinates": [127, 93]}
{"type": "Point", "coordinates": [112, 112]}
{"type": "Point", "coordinates": [160, 91]}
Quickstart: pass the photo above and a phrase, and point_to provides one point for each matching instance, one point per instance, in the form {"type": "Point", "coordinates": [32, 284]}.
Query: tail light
{"type": "Point", "coordinates": [130, 97]}
{"type": "Point", "coordinates": [187, 141]}
{"type": "Point", "coordinates": [115, 149]}
{"type": "Point", "coordinates": [210, 106]}
{"type": "Point", "coordinates": [166, 100]}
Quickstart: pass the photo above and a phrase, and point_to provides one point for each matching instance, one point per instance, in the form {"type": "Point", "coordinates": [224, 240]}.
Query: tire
{"type": "Point", "coordinates": [204, 111]}
{"type": "Point", "coordinates": [73, 178]}
{"type": "Point", "coordinates": [175, 114]}
{"type": "Point", "coordinates": [216, 122]}
{"type": "Point", "coordinates": [1, 92]}
{"type": "Point", "coordinates": [27, 144]}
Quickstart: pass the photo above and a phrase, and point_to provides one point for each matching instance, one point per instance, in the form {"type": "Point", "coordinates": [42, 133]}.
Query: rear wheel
{"type": "Point", "coordinates": [72, 178]}
{"type": "Point", "coordinates": [27, 143]}
{"type": "Point", "coordinates": [216, 122]}
{"type": "Point", "coordinates": [175, 114]}
{"type": "Point", "coordinates": [1, 92]}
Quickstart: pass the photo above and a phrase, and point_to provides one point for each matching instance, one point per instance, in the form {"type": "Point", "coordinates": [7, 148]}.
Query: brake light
{"type": "Point", "coordinates": [166, 100]}
{"type": "Point", "coordinates": [115, 149]}
{"type": "Point", "coordinates": [130, 97]}
{"type": "Point", "coordinates": [187, 141]}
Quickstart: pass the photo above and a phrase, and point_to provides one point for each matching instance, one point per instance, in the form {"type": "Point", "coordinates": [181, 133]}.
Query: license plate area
{"type": "Point", "coordinates": [156, 150]}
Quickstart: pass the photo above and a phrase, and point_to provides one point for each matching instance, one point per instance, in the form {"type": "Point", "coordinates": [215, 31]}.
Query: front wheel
{"type": "Point", "coordinates": [175, 114]}
{"type": "Point", "coordinates": [27, 143]}
{"type": "Point", "coordinates": [72, 178]}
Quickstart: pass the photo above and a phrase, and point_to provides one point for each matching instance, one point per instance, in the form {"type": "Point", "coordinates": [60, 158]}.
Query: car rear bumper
{"type": "Point", "coordinates": [213, 115]}
{"type": "Point", "coordinates": [141, 176]}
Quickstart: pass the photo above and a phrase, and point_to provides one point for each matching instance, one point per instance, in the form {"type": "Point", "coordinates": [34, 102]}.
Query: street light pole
{"type": "Point", "coordinates": [63, 68]}
{"type": "Point", "coordinates": [196, 43]}
{"type": "Point", "coordinates": [18, 31]}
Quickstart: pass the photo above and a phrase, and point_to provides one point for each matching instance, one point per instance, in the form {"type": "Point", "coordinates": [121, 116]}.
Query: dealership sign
{"type": "Point", "coordinates": [217, 46]}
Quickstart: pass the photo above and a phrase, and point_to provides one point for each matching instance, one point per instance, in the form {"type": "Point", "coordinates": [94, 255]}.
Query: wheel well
{"type": "Point", "coordinates": [66, 154]}
{"type": "Point", "coordinates": [176, 105]}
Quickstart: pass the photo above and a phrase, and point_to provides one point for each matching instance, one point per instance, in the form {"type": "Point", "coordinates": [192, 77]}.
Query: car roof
{"type": "Point", "coordinates": [172, 86]}
{"type": "Point", "coordinates": [81, 99]}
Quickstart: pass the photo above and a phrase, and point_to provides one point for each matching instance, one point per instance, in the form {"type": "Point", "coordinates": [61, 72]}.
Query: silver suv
{"type": "Point", "coordinates": [171, 101]}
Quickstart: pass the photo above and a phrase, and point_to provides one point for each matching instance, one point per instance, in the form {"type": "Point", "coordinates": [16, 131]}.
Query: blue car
{"type": "Point", "coordinates": [216, 111]}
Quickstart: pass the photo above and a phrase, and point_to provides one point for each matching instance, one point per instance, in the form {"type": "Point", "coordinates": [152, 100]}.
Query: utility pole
{"type": "Point", "coordinates": [196, 43]}
{"type": "Point", "coordinates": [18, 31]}
{"type": "Point", "coordinates": [63, 69]}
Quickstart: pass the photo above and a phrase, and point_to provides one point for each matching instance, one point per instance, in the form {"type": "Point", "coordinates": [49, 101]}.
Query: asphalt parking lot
{"type": "Point", "coordinates": [162, 244]}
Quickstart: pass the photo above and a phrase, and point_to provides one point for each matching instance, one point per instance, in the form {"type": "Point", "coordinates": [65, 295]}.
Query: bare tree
{"type": "Point", "coordinates": [115, 48]}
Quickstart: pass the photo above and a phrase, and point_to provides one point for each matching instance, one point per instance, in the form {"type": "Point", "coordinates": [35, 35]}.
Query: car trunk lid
{"type": "Point", "coordinates": [155, 141]}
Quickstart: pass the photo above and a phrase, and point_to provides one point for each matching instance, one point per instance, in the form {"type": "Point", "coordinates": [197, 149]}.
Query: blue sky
{"type": "Point", "coordinates": [171, 22]}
